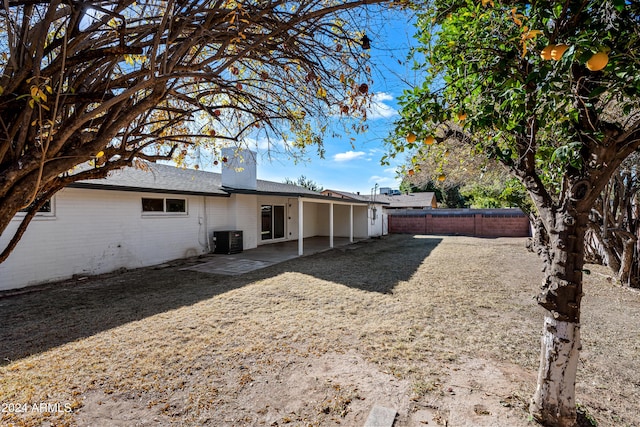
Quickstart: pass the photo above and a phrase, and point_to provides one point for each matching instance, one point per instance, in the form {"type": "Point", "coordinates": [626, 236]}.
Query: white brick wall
{"type": "Point", "coordinates": [362, 227]}
{"type": "Point", "coordinates": [378, 226]}
{"type": "Point", "coordinates": [310, 219]}
{"type": "Point", "coordinates": [98, 231]}
{"type": "Point", "coordinates": [292, 219]}
{"type": "Point", "coordinates": [244, 209]}
{"type": "Point", "coordinates": [360, 221]}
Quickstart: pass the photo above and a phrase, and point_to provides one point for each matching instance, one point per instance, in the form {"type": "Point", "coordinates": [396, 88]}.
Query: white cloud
{"type": "Point", "coordinates": [263, 144]}
{"type": "Point", "coordinates": [384, 181]}
{"type": "Point", "coordinates": [373, 151]}
{"type": "Point", "coordinates": [348, 156]}
{"type": "Point", "coordinates": [392, 170]}
{"type": "Point", "coordinates": [378, 109]}
{"type": "Point", "coordinates": [388, 178]}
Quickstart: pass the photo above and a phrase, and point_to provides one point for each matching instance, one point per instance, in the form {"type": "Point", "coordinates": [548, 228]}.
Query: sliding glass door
{"type": "Point", "coordinates": [272, 222]}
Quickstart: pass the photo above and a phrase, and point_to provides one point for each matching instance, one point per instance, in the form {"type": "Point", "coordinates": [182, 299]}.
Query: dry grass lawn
{"type": "Point", "coordinates": [444, 330]}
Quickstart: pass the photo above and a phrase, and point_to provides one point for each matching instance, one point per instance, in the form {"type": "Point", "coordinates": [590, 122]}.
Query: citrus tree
{"type": "Point", "coordinates": [551, 90]}
{"type": "Point", "coordinates": [454, 169]}
{"type": "Point", "coordinates": [105, 83]}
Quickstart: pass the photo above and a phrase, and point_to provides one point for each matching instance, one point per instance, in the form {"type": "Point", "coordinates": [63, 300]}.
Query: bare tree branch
{"type": "Point", "coordinates": [148, 78]}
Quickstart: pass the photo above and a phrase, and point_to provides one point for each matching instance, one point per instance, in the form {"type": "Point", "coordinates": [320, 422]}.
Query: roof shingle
{"type": "Point", "coordinates": [160, 178]}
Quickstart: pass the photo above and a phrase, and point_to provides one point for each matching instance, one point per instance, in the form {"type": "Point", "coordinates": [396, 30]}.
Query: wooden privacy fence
{"type": "Point", "coordinates": [467, 222]}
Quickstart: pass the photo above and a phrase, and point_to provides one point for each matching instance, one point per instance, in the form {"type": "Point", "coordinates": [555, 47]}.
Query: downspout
{"type": "Point", "coordinates": [331, 225]}
{"type": "Point", "coordinates": [300, 226]}
{"type": "Point", "coordinates": [206, 228]}
{"type": "Point", "coordinates": [351, 223]}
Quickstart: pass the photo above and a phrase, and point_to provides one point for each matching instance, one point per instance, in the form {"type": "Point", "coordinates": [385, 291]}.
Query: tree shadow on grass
{"type": "Point", "coordinates": [370, 265]}
{"type": "Point", "coordinates": [60, 313]}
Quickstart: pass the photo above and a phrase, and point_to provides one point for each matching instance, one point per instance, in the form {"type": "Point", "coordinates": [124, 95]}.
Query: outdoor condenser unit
{"type": "Point", "coordinates": [227, 242]}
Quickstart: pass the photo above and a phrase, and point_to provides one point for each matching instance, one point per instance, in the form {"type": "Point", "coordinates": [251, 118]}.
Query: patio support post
{"type": "Point", "coordinates": [350, 223]}
{"type": "Point", "coordinates": [300, 227]}
{"type": "Point", "coordinates": [331, 225]}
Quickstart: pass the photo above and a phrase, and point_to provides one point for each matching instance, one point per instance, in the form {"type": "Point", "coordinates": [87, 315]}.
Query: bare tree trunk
{"type": "Point", "coordinates": [554, 402]}
{"type": "Point", "coordinates": [627, 259]}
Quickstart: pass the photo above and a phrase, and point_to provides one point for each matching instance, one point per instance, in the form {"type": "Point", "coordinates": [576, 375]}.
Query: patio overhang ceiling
{"type": "Point", "coordinates": [306, 197]}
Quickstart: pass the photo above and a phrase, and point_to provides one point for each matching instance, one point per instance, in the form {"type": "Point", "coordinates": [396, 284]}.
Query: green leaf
{"type": "Point", "coordinates": [619, 5]}
{"type": "Point", "coordinates": [597, 92]}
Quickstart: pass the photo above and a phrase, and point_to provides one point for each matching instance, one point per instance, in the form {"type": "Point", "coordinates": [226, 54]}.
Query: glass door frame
{"type": "Point", "coordinates": [272, 222]}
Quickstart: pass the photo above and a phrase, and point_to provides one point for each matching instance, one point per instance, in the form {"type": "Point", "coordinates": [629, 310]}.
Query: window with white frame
{"type": "Point", "coordinates": [46, 210]}
{"type": "Point", "coordinates": [159, 205]}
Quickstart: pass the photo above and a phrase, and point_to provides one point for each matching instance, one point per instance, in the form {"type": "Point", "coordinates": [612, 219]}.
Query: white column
{"type": "Point", "coordinates": [331, 225]}
{"type": "Point", "coordinates": [350, 223]}
{"type": "Point", "coordinates": [300, 227]}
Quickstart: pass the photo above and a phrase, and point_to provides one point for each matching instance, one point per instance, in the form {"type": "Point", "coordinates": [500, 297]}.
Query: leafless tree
{"type": "Point", "coordinates": [612, 236]}
{"type": "Point", "coordinates": [108, 82]}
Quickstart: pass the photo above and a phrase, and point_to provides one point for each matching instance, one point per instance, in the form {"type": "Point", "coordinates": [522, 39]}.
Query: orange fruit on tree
{"type": "Point", "coordinates": [442, 177]}
{"type": "Point", "coordinates": [598, 61]}
{"type": "Point", "coordinates": [558, 51]}
{"type": "Point", "coordinates": [411, 172]}
{"type": "Point", "coordinates": [411, 138]}
{"type": "Point", "coordinates": [546, 52]}
{"type": "Point", "coordinates": [429, 140]}
{"type": "Point", "coordinates": [462, 116]}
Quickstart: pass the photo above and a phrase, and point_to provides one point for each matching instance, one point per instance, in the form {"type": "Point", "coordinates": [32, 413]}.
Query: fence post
{"type": "Point", "coordinates": [477, 225]}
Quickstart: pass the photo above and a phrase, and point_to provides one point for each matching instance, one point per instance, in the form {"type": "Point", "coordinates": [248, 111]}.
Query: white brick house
{"type": "Point", "coordinates": [136, 218]}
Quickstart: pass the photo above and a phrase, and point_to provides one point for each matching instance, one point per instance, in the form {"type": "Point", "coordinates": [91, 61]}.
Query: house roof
{"type": "Point", "coordinates": [272, 187]}
{"type": "Point", "coordinates": [160, 178]}
{"type": "Point", "coordinates": [348, 195]}
{"type": "Point", "coordinates": [289, 190]}
{"type": "Point", "coordinates": [411, 200]}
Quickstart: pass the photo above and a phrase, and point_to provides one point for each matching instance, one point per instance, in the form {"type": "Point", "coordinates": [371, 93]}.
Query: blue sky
{"type": "Point", "coordinates": [358, 168]}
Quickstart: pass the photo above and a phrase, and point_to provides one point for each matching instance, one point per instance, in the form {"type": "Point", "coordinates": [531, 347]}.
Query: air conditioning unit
{"type": "Point", "coordinates": [227, 242]}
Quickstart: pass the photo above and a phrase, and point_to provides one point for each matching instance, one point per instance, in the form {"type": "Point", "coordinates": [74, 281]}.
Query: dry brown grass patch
{"type": "Point", "coordinates": [442, 329]}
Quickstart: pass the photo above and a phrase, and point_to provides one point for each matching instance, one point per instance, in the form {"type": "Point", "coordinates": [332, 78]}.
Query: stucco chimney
{"type": "Point", "coordinates": [240, 169]}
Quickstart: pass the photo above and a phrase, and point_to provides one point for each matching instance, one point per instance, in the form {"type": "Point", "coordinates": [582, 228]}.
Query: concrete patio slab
{"type": "Point", "coordinates": [229, 267]}
{"type": "Point", "coordinates": [263, 256]}
{"type": "Point", "coordinates": [380, 417]}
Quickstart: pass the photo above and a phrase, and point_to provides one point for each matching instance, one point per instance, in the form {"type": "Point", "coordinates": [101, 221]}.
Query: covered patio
{"type": "Point", "coordinates": [266, 255]}
{"type": "Point", "coordinates": [336, 220]}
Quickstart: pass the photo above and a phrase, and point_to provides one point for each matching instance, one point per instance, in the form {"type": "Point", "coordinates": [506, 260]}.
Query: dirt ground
{"type": "Point", "coordinates": [444, 330]}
